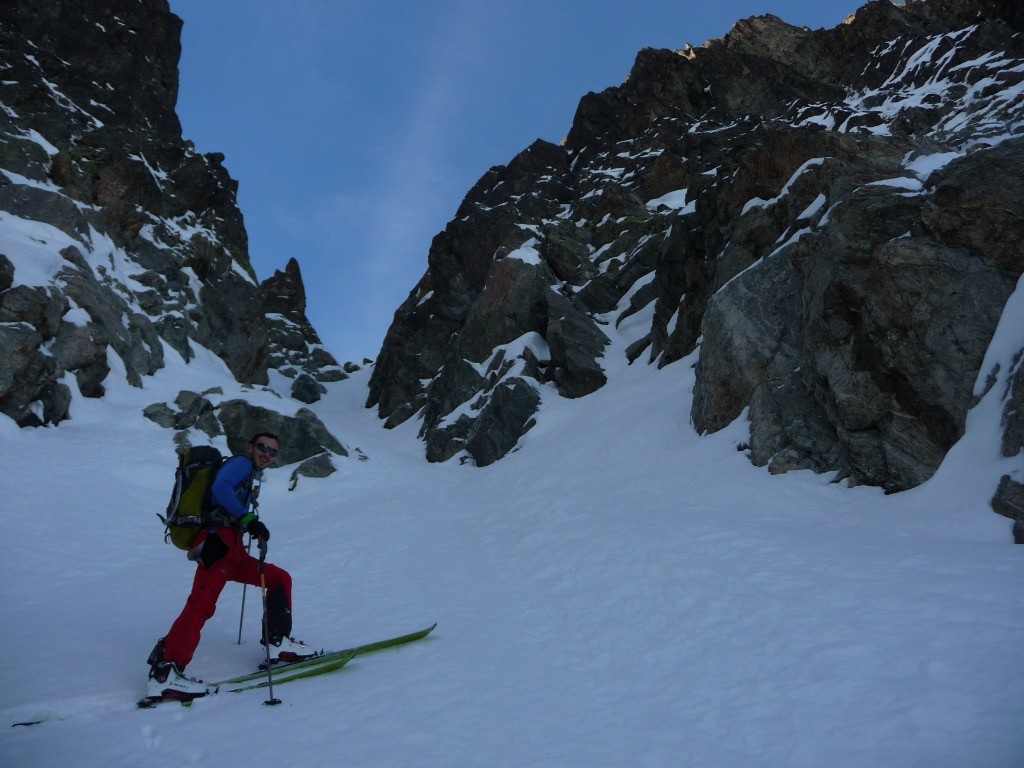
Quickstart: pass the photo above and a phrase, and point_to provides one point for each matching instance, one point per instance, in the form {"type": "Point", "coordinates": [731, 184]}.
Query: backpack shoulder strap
{"type": "Point", "coordinates": [247, 485]}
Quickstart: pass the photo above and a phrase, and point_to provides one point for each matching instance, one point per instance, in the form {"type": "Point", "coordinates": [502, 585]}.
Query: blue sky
{"type": "Point", "coordinates": [355, 128]}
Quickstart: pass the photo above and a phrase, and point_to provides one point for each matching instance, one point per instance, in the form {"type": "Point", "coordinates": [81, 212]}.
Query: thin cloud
{"type": "Point", "coordinates": [419, 188]}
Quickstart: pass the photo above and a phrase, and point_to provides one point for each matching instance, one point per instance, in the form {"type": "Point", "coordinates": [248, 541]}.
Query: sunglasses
{"type": "Point", "coordinates": [267, 449]}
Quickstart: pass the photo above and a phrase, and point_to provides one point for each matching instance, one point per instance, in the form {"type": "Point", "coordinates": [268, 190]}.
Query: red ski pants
{"type": "Point", "coordinates": [219, 564]}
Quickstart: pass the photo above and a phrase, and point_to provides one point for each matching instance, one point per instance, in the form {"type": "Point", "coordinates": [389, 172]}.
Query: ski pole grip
{"type": "Point", "coordinates": [261, 544]}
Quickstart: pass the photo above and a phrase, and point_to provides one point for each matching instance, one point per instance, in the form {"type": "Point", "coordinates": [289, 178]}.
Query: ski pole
{"type": "Point", "coordinates": [266, 634]}
{"type": "Point", "coordinates": [255, 494]}
{"type": "Point", "coordinates": [248, 547]}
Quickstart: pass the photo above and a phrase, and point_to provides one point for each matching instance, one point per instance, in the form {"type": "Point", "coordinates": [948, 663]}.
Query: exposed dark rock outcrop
{"type": "Point", "coordinates": [92, 155]}
{"type": "Point", "coordinates": [295, 348]}
{"type": "Point", "coordinates": [830, 219]}
{"type": "Point", "coordinates": [857, 348]}
{"type": "Point", "coordinates": [201, 417]}
{"type": "Point", "coordinates": [1009, 496]}
{"type": "Point", "coordinates": [116, 235]}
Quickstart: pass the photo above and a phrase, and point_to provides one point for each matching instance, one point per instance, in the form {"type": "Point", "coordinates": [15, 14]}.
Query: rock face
{"type": "Point", "coordinates": [1009, 496]}
{"type": "Point", "coordinates": [830, 220]}
{"type": "Point", "coordinates": [295, 348]}
{"type": "Point", "coordinates": [199, 417]}
{"type": "Point", "coordinates": [116, 236]}
{"type": "Point", "coordinates": [857, 348]}
{"type": "Point", "coordinates": [491, 320]}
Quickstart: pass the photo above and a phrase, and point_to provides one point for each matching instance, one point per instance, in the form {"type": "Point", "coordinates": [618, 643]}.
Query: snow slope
{"type": "Point", "coordinates": [618, 592]}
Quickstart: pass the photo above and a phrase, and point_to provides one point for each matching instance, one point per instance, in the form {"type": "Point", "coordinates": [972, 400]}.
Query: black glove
{"type": "Point", "coordinates": [257, 530]}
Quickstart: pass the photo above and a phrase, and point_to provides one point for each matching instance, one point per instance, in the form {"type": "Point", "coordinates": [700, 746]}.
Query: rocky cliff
{"type": "Point", "coordinates": [829, 221]}
{"type": "Point", "coordinates": [119, 242]}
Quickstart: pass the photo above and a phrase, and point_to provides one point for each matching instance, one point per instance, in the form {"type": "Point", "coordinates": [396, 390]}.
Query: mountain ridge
{"type": "Point", "coordinates": [121, 244]}
{"type": "Point", "coordinates": [803, 207]}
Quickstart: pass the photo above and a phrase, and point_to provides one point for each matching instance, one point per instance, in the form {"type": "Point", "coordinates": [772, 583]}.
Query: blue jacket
{"type": "Point", "coordinates": [232, 490]}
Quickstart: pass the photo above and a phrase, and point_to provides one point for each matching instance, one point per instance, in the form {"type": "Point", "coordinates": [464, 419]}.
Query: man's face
{"type": "Point", "coordinates": [263, 452]}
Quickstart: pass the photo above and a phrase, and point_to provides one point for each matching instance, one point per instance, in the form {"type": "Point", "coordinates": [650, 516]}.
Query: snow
{"type": "Point", "coordinates": [982, 109]}
{"type": "Point", "coordinates": [618, 591]}
{"type": "Point", "coordinates": [33, 248]}
{"type": "Point", "coordinates": [812, 210]}
{"type": "Point", "coordinates": [527, 252]}
{"type": "Point", "coordinates": [37, 138]}
{"type": "Point", "coordinates": [675, 201]}
{"type": "Point", "coordinates": [158, 175]}
{"type": "Point", "coordinates": [924, 165]}
{"type": "Point", "coordinates": [757, 202]}
{"type": "Point", "coordinates": [76, 316]}
{"type": "Point", "coordinates": [515, 349]}
{"type": "Point", "coordinates": [793, 238]}
{"type": "Point", "coordinates": [63, 100]}
{"type": "Point", "coordinates": [10, 177]}
{"type": "Point", "coordinates": [827, 120]}
{"type": "Point", "coordinates": [239, 270]}
{"type": "Point", "coordinates": [900, 182]}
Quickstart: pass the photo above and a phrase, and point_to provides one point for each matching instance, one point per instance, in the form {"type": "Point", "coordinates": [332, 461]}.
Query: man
{"type": "Point", "coordinates": [221, 557]}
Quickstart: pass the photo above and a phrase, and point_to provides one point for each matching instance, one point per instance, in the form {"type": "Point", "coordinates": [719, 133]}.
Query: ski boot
{"type": "Point", "coordinates": [166, 681]}
{"type": "Point", "coordinates": [287, 650]}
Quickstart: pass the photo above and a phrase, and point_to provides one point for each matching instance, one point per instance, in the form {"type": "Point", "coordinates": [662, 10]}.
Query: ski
{"type": "Point", "coordinates": [380, 645]}
{"type": "Point", "coordinates": [316, 666]}
{"type": "Point", "coordinates": [320, 664]}
{"type": "Point", "coordinates": [324, 658]}
{"type": "Point", "coordinates": [259, 680]}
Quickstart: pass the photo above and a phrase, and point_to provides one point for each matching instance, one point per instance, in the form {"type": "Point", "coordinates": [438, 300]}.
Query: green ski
{"type": "Point", "coordinates": [285, 673]}
{"type": "Point", "coordinates": [327, 663]}
{"type": "Point", "coordinates": [336, 660]}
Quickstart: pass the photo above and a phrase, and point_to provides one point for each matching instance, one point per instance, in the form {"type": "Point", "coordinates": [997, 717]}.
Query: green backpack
{"type": "Point", "coordinates": [190, 498]}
